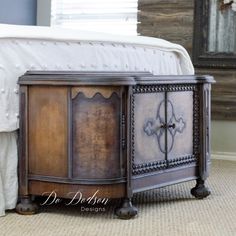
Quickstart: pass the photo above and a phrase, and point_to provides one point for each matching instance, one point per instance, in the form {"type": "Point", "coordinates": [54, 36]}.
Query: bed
{"type": "Point", "coordinates": [24, 48]}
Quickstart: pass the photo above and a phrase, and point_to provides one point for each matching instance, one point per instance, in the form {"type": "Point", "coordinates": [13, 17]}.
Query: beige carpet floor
{"type": "Point", "coordinates": [166, 211]}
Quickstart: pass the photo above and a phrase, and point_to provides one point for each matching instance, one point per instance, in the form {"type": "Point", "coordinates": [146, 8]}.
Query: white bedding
{"type": "Point", "coordinates": [8, 171]}
{"type": "Point", "coordinates": [25, 48]}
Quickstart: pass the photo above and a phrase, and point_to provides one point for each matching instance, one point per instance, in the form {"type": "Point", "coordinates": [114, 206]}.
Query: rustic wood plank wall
{"type": "Point", "coordinates": [173, 20]}
{"type": "Point", "coordinates": [168, 19]}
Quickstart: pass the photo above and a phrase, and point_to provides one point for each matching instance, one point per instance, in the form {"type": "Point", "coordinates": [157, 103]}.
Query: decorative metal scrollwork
{"type": "Point", "coordinates": [161, 125]}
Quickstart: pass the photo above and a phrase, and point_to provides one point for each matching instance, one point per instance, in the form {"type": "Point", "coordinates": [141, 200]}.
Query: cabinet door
{"type": "Point", "coordinates": [96, 118]}
{"type": "Point", "coordinates": [148, 135]}
{"type": "Point", "coordinates": [179, 125]}
{"type": "Point", "coordinates": [47, 130]}
{"type": "Point", "coordinates": [164, 126]}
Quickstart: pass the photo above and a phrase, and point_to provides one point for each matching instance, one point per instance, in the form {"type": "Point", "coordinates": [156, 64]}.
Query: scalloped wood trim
{"type": "Point", "coordinates": [90, 91]}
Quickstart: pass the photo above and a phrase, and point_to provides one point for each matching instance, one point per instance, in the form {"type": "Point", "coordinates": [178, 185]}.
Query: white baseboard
{"type": "Point", "coordinates": [227, 156]}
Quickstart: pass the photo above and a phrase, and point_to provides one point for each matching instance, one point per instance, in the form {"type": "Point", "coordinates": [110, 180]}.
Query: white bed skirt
{"type": "Point", "coordinates": [8, 171]}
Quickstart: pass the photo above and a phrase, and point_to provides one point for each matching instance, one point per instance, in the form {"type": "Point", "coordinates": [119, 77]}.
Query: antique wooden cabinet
{"type": "Point", "coordinates": [118, 133]}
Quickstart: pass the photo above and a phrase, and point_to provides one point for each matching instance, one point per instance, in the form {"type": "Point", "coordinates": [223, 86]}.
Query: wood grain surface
{"type": "Point", "coordinates": [170, 20]}
{"type": "Point", "coordinates": [48, 131]}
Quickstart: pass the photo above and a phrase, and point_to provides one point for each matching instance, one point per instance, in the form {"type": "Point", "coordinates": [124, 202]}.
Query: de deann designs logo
{"type": "Point", "coordinates": [76, 198]}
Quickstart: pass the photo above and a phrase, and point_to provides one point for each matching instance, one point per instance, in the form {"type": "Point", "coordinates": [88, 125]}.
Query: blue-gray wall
{"type": "Point", "coordinates": [20, 12]}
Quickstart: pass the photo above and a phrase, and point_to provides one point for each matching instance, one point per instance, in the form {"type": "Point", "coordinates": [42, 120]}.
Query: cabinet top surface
{"type": "Point", "coordinates": [110, 78]}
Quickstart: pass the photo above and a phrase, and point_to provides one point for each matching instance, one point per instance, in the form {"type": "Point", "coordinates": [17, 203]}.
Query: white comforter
{"type": "Point", "coordinates": [25, 48]}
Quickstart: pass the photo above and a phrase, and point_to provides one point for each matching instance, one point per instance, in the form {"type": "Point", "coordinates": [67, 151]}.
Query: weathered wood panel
{"type": "Point", "coordinates": [170, 20]}
{"type": "Point", "coordinates": [96, 136]}
{"type": "Point", "coordinates": [163, 4]}
{"type": "Point", "coordinates": [173, 20]}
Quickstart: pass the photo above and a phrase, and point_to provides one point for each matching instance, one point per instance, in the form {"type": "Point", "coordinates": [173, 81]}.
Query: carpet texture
{"type": "Point", "coordinates": [166, 211]}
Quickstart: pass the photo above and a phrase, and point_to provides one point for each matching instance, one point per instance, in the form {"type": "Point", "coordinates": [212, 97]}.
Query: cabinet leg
{"type": "Point", "coordinates": [126, 210]}
{"type": "Point", "coordinates": [200, 191]}
{"type": "Point", "coordinates": [26, 206]}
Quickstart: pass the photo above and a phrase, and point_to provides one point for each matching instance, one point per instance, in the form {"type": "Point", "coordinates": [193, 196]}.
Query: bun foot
{"type": "Point", "coordinates": [126, 211]}
{"type": "Point", "coordinates": [26, 206]}
{"type": "Point", "coordinates": [200, 191]}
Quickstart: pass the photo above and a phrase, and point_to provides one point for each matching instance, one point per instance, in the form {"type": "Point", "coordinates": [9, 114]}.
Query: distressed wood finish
{"type": "Point", "coordinates": [105, 138]}
{"type": "Point", "coordinates": [23, 142]}
{"type": "Point", "coordinates": [96, 142]}
{"type": "Point", "coordinates": [159, 179]}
